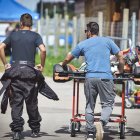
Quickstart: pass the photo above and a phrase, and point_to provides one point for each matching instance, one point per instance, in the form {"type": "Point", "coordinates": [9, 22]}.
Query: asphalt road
{"type": "Point", "coordinates": [56, 117]}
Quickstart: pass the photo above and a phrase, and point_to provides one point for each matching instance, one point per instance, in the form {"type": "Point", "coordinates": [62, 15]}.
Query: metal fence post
{"type": "Point", "coordinates": [133, 29]}
{"type": "Point", "coordinates": [138, 39]}
{"type": "Point", "coordinates": [100, 22]}
{"type": "Point", "coordinates": [56, 35]}
{"type": "Point", "coordinates": [74, 32]}
{"type": "Point", "coordinates": [47, 31]}
{"type": "Point", "coordinates": [66, 33]}
{"type": "Point", "coordinates": [82, 27]}
{"type": "Point", "coordinates": [125, 28]}
{"type": "Point", "coordinates": [39, 26]}
{"type": "Point", "coordinates": [81, 33]}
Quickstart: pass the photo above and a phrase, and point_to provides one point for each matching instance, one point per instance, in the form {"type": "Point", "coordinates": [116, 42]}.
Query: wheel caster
{"type": "Point", "coordinates": [128, 103]}
{"type": "Point", "coordinates": [72, 129]}
{"type": "Point", "coordinates": [78, 126]}
{"type": "Point", "coordinates": [122, 130]}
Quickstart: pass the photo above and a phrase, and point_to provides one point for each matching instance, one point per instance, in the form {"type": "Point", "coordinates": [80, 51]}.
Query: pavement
{"type": "Point", "coordinates": [56, 117]}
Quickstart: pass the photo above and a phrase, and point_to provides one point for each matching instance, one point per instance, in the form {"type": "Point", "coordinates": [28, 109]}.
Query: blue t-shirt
{"type": "Point", "coordinates": [97, 52]}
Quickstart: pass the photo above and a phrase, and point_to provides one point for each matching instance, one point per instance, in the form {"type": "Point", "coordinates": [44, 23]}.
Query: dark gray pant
{"type": "Point", "coordinates": [105, 89]}
{"type": "Point", "coordinates": [24, 90]}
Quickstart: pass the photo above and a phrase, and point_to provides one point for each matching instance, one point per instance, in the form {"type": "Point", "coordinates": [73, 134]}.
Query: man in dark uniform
{"type": "Point", "coordinates": [23, 44]}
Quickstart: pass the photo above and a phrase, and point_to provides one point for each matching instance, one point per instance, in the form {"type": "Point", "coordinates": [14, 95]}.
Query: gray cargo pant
{"type": "Point", "coordinates": [105, 89]}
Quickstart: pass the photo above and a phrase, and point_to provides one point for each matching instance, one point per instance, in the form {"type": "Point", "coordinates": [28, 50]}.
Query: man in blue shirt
{"type": "Point", "coordinates": [99, 79]}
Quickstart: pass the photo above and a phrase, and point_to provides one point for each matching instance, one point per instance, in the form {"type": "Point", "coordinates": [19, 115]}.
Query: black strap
{"type": "Point", "coordinates": [5, 85]}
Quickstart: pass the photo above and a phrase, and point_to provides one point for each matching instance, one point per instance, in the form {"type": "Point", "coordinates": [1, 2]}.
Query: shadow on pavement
{"type": "Point", "coordinates": [65, 130]}
{"type": "Point", "coordinates": [111, 132]}
{"type": "Point", "coordinates": [132, 132]}
{"type": "Point", "coordinates": [27, 134]}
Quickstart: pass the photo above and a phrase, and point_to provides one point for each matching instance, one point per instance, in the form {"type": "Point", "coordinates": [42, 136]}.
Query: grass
{"type": "Point", "coordinates": [51, 61]}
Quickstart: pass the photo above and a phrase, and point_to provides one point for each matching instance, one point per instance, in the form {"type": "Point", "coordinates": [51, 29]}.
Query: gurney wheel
{"type": "Point", "coordinates": [122, 130]}
{"type": "Point", "coordinates": [73, 126]}
{"type": "Point", "coordinates": [78, 126]}
{"type": "Point", "coordinates": [128, 103]}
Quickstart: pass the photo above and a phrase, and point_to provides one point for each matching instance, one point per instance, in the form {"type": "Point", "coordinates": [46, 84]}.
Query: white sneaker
{"type": "Point", "coordinates": [100, 131]}
{"type": "Point", "coordinates": [90, 137]}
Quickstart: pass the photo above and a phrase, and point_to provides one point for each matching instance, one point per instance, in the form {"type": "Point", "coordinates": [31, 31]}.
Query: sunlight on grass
{"type": "Point", "coordinates": [51, 60]}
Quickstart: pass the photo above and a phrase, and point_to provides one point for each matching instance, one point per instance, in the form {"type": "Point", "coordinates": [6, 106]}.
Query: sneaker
{"type": "Point", "coordinates": [35, 133]}
{"type": "Point", "coordinates": [100, 131]}
{"type": "Point", "coordinates": [90, 136]}
{"type": "Point", "coordinates": [17, 136]}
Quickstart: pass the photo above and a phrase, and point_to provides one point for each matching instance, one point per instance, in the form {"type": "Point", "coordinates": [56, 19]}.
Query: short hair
{"type": "Point", "coordinates": [93, 27]}
{"type": "Point", "coordinates": [26, 20]}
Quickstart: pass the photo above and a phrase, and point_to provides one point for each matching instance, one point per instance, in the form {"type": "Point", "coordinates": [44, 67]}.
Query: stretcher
{"type": "Point", "coordinates": [61, 75]}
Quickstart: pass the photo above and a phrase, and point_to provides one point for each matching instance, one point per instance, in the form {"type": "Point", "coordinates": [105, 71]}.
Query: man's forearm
{"type": "Point", "coordinates": [43, 58]}
{"type": "Point", "coordinates": [2, 56]}
{"type": "Point", "coordinates": [65, 62]}
{"type": "Point", "coordinates": [121, 61]}
{"type": "Point", "coordinates": [121, 65]}
{"type": "Point", "coordinates": [68, 59]}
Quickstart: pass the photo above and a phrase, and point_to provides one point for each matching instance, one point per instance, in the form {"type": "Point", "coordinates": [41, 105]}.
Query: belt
{"type": "Point", "coordinates": [23, 62]}
{"type": "Point", "coordinates": [106, 80]}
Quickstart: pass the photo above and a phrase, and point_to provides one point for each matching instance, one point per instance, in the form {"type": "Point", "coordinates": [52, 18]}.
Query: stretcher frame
{"type": "Point", "coordinates": [75, 121]}
{"type": "Point", "coordinates": [77, 117]}
{"type": "Point", "coordinates": [114, 118]}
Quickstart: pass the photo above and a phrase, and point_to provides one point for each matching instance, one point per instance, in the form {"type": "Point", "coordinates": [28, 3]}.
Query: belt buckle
{"type": "Point", "coordinates": [23, 62]}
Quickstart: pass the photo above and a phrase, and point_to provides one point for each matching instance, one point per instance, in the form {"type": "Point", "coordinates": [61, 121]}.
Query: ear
{"type": "Point", "coordinates": [90, 34]}
{"type": "Point", "coordinates": [21, 24]}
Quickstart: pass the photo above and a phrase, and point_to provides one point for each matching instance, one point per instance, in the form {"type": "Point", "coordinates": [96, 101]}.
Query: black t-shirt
{"type": "Point", "coordinates": [23, 44]}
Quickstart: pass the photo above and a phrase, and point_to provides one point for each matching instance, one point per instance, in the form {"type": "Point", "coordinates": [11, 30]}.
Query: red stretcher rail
{"type": "Point", "coordinates": [76, 119]}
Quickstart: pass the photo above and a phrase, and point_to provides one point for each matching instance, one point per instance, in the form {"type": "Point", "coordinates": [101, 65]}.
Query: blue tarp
{"type": "Point", "coordinates": [10, 10]}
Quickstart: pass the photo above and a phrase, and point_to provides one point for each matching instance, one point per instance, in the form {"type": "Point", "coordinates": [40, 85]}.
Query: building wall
{"type": "Point", "coordinates": [108, 7]}
{"type": "Point", "coordinates": [79, 7]}
{"type": "Point", "coordinates": [134, 7]}
{"type": "Point", "coordinates": [113, 14]}
{"type": "Point", "coordinates": [92, 7]}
